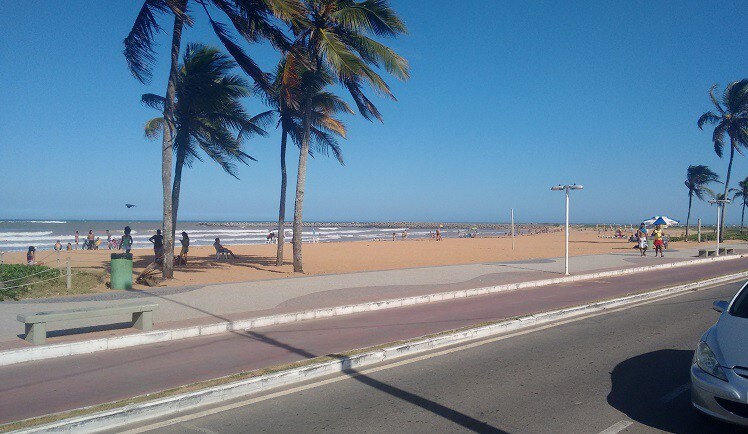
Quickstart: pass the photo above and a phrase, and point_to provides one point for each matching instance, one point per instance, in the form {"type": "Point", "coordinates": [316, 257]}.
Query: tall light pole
{"type": "Point", "coordinates": [566, 188]}
{"type": "Point", "coordinates": [720, 205]}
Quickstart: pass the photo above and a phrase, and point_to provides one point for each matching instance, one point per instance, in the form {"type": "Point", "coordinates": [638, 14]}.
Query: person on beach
{"type": "Point", "coordinates": [220, 249]}
{"type": "Point", "coordinates": [405, 234]}
{"type": "Point", "coordinates": [108, 239]}
{"type": "Point", "coordinates": [76, 240]}
{"type": "Point", "coordinates": [659, 243]}
{"type": "Point", "coordinates": [31, 255]}
{"type": "Point", "coordinates": [393, 236]}
{"type": "Point", "coordinates": [182, 258]}
{"type": "Point", "coordinates": [158, 244]}
{"type": "Point", "coordinates": [126, 243]}
{"type": "Point", "coordinates": [58, 246]}
{"type": "Point", "coordinates": [69, 247]}
{"type": "Point", "coordinates": [438, 235]}
{"type": "Point", "coordinates": [97, 243]}
{"type": "Point", "coordinates": [90, 240]}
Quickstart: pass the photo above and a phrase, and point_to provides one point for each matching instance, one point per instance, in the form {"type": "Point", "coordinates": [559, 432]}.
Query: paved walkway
{"type": "Point", "coordinates": [214, 303]}
{"type": "Point", "coordinates": [42, 387]}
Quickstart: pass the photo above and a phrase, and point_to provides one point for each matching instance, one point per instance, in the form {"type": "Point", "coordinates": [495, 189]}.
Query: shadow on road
{"type": "Point", "coordinates": [459, 418]}
{"type": "Point", "coordinates": [653, 390]}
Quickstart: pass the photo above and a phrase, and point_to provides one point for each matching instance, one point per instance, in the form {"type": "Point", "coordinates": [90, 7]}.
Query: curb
{"type": "Point", "coordinates": [167, 406]}
{"type": "Point", "coordinates": [20, 355]}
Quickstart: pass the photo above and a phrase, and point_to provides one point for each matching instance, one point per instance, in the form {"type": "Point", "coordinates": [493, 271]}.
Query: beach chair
{"type": "Point", "coordinates": [221, 253]}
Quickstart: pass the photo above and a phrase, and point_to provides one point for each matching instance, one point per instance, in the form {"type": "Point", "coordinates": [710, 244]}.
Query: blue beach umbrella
{"type": "Point", "coordinates": [661, 220]}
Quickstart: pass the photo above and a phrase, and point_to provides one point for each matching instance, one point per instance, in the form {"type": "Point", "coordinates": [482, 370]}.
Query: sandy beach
{"type": "Point", "coordinates": [255, 262]}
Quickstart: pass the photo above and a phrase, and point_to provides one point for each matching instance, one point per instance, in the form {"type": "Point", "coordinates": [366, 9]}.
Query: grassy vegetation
{"type": "Point", "coordinates": [38, 281]}
{"type": "Point", "coordinates": [730, 234]}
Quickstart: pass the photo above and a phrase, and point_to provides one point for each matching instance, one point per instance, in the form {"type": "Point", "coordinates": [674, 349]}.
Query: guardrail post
{"type": "Point", "coordinates": [69, 281]}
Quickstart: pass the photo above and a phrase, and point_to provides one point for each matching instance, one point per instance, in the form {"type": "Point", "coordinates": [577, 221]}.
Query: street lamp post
{"type": "Point", "coordinates": [566, 188]}
{"type": "Point", "coordinates": [720, 205]}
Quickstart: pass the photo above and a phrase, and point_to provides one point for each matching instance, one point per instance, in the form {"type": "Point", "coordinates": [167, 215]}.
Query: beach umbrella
{"type": "Point", "coordinates": [661, 220]}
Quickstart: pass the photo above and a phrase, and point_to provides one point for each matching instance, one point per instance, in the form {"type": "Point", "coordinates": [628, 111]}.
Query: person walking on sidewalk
{"type": "Point", "coordinates": [659, 243]}
{"type": "Point", "coordinates": [641, 239]}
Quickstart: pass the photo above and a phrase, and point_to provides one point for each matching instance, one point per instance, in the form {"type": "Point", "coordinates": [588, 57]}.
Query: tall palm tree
{"type": "Point", "coordinates": [697, 177]}
{"type": "Point", "coordinates": [731, 119]}
{"type": "Point", "coordinates": [742, 194]}
{"type": "Point", "coordinates": [251, 19]}
{"type": "Point", "coordinates": [335, 38]}
{"type": "Point", "coordinates": [208, 115]}
{"type": "Point", "coordinates": [285, 101]}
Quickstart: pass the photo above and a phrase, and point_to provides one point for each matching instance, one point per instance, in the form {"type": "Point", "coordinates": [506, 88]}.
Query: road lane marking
{"type": "Point", "coordinates": [678, 391]}
{"type": "Point", "coordinates": [617, 427]}
{"type": "Point", "coordinates": [341, 377]}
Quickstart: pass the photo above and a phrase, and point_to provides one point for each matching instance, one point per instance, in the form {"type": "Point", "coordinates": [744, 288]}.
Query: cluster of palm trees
{"type": "Point", "coordinates": [730, 120]}
{"type": "Point", "coordinates": [323, 45]}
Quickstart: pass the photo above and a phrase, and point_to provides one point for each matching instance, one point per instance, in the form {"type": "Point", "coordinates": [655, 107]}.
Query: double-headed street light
{"type": "Point", "coordinates": [566, 188]}
{"type": "Point", "coordinates": [720, 205]}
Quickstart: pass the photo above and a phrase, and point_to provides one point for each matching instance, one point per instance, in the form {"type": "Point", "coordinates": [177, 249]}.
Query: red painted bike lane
{"type": "Point", "coordinates": [49, 386]}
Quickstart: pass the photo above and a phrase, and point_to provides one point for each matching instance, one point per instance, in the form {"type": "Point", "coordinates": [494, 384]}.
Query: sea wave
{"type": "Point", "coordinates": [56, 222]}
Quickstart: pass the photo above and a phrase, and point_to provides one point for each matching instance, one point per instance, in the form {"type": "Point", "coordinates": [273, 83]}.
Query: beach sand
{"type": "Point", "coordinates": [256, 262]}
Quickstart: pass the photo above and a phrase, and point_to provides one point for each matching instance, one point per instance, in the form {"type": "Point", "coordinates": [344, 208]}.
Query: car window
{"type": "Point", "coordinates": [740, 306]}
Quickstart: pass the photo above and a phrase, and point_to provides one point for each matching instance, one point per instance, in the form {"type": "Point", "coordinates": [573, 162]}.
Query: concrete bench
{"type": "Point", "coordinates": [36, 323]}
{"type": "Point", "coordinates": [726, 251]}
{"type": "Point", "coordinates": [707, 252]}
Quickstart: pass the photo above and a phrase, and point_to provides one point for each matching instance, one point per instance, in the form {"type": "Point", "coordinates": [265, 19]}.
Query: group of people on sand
{"type": "Point", "coordinates": [657, 235]}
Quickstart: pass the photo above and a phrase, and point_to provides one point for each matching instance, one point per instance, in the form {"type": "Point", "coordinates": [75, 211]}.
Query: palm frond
{"type": "Point", "coordinates": [154, 127]}
{"type": "Point", "coordinates": [373, 16]}
{"type": "Point", "coordinates": [245, 62]}
{"type": "Point", "coordinates": [153, 101]}
{"type": "Point", "coordinates": [707, 118]}
{"type": "Point", "coordinates": [139, 45]}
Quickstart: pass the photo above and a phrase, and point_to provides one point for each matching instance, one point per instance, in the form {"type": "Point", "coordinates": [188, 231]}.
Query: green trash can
{"type": "Point", "coordinates": [121, 271]}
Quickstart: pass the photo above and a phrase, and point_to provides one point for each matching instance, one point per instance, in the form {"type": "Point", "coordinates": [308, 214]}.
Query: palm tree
{"type": "Point", "coordinates": [334, 39]}
{"type": "Point", "coordinates": [208, 115]}
{"type": "Point", "coordinates": [251, 19]}
{"type": "Point", "coordinates": [697, 177]}
{"type": "Point", "coordinates": [285, 101]}
{"type": "Point", "coordinates": [741, 193]}
{"type": "Point", "coordinates": [731, 119]}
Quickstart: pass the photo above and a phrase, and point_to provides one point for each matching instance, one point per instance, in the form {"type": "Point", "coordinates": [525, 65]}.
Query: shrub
{"type": "Point", "coordinates": [15, 279]}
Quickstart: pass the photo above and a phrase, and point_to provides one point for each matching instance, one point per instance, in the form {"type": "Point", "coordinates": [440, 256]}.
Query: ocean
{"type": "Point", "coordinates": [42, 234]}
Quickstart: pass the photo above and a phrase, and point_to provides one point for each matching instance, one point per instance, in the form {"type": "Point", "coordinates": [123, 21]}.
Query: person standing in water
{"type": "Point", "coordinates": [76, 240]}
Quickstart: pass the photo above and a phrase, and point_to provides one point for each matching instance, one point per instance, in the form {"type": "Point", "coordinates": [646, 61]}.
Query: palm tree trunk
{"type": "Point", "coordinates": [727, 187]}
{"type": "Point", "coordinates": [167, 144]}
{"type": "Point", "coordinates": [300, 180]}
{"type": "Point", "coordinates": [282, 207]}
{"type": "Point", "coordinates": [175, 191]}
{"type": "Point", "coordinates": [688, 217]}
{"type": "Point", "coordinates": [742, 219]}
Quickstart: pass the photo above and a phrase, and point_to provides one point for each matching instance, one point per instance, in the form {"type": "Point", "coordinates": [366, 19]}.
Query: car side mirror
{"type": "Point", "coordinates": [720, 305]}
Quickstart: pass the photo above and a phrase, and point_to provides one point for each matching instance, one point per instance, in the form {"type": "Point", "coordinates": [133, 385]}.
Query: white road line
{"type": "Point", "coordinates": [243, 403]}
{"type": "Point", "coordinates": [198, 429]}
{"type": "Point", "coordinates": [617, 427]}
{"type": "Point", "coordinates": [674, 394]}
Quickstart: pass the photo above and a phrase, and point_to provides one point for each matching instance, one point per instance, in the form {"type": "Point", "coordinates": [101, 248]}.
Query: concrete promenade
{"type": "Point", "coordinates": [179, 307]}
{"type": "Point", "coordinates": [48, 386]}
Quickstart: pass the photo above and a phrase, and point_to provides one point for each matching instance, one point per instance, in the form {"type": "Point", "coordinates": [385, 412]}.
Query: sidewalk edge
{"type": "Point", "coordinates": [27, 354]}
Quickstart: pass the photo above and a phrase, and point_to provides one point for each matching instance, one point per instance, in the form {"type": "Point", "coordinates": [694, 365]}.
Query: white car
{"type": "Point", "coordinates": [719, 372]}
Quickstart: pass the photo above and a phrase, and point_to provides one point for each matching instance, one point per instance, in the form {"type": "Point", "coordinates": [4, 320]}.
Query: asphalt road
{"type": "Point", "coordinates": [54, 385]}
{"type": "Point", "coordinates": [624, 371]}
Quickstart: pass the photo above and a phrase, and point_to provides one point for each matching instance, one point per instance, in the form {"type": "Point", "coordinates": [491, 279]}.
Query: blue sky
{"type": "Point", "coordinates": [505, 100]}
